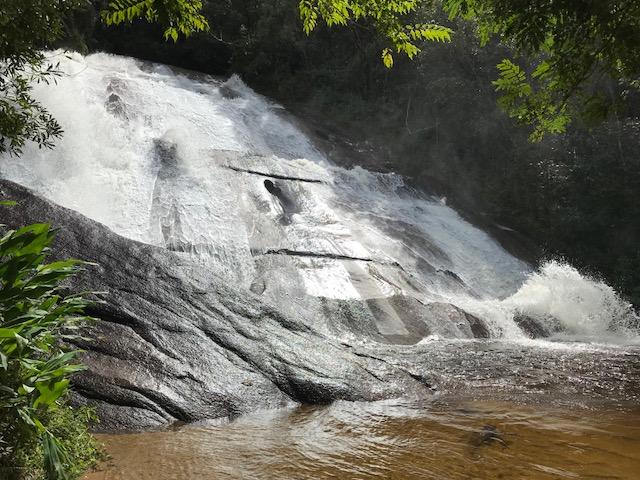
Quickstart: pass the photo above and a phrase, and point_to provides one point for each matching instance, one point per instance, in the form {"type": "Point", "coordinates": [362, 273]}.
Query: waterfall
{"type": "Point", "coordinates": [219, 174]}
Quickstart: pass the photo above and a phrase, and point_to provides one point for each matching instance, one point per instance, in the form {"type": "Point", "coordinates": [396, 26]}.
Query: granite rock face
{"type": "Point", "coordinates": [174, 342]}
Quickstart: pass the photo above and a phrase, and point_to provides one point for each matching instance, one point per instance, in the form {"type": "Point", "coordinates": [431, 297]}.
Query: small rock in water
{"type": "Point", "coordinates": [229, 93]}
{"type": "Point", "coordinates": [536, 328]}
{"type": "Point", "coordinates": [487, 435]}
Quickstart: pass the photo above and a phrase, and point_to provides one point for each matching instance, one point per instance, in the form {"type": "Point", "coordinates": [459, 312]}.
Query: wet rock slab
{"type": "Point", "coordinates": [175, 342]}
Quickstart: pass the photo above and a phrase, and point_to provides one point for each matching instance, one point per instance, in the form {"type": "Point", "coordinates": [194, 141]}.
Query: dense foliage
{"type": "Point", "coordinates": [178, 17]}
{"type": "Point", "coordinates": [36, 320]}
{"type": "Point", "coordinates": [572, 49]}
{"type": "Point", "coordinates": [26, 27]}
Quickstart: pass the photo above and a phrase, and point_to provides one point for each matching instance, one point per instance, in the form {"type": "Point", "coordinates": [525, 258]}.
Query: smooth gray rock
{"type": "Point", "coordinates": [446, 314]}
{"type": "Point", "coordinates": [536, 328]}
{"type": "Point", "coordinates": [174, 342]}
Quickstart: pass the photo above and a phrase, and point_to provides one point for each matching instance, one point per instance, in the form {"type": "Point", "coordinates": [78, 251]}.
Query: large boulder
{"type": "Point", "coordinates": [406, 320]}
{"type": "Point", "coordinates": [450, 317]}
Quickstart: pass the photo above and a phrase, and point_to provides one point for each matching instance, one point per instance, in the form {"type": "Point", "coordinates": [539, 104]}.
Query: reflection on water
{"type": "Point", "coordinates": [389, 440]}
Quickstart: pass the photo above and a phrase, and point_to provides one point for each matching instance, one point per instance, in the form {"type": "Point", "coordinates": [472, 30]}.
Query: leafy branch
{"type": "Point", "coordinates": [580, 49]}
{"type": "Point", "coordinates": [387, 16]}
{"type": "Point", "coordinates": [179, 17]}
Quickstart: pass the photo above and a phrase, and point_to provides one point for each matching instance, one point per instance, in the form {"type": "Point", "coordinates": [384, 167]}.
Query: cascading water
{"type": "Point", "coordinates": [214, 171]}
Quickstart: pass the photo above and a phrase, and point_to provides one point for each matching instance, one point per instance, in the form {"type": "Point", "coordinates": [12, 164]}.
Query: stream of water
{"type": "Point", "coordinates": [389, 440]}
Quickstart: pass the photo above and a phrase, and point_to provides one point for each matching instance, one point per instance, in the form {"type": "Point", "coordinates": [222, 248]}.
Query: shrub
{"type": "Point", "coordinates": [38, 431]}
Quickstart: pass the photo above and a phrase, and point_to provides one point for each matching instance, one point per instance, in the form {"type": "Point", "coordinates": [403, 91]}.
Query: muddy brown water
{"type": "Point", "coordinates": [440, 439]}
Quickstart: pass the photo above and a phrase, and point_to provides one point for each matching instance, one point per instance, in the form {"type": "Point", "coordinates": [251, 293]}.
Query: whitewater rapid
{"type": "Point", "coordinates": [183, 161]}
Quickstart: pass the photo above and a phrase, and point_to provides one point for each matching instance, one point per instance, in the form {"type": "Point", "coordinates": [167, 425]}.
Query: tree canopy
{"type": "Point", "coordinates": [573, 59]}
{"type": "Point", "coordinates": [581, 58]}
{"type": "Point", "coordinates": [387, 16]}
{"type": "Point", "coordinates": [26, 27]}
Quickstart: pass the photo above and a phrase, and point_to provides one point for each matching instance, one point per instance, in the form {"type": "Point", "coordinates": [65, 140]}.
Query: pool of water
{"type": "Point", "coordinates": [444, 438]}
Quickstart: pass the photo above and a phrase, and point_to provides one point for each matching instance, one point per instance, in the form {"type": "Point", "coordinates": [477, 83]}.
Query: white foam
{"type": "Point", "coordinates": [558, 297]}
{"type": "Point", "coordinates": [582, 305]}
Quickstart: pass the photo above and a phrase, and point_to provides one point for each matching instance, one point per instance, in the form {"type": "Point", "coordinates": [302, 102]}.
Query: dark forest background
{"type": "Point", "coordinates": [433, 119]}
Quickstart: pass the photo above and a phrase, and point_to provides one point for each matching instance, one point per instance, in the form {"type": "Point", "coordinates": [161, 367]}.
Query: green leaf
{"type": "Point", "coordinates": [7, 333]}
{"type": "Point", "coordinates": [25, 389]}
{"type": "Point", "coordinates": [387, 58]}
{"type": "Point", "coordinates": [4, 360]}
{"type": "Point", "coordinates": [54, 458]}
{"type": "Point", "coordinates": [49, 394]}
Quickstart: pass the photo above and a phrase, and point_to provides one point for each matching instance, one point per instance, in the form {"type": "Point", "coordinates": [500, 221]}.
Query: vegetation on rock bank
{"type": "Point", "coordinates": [40, 436]}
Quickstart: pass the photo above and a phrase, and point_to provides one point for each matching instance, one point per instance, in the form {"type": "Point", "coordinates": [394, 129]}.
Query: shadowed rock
{"type": "Point", "coordinates": [536, 328]}
{"type": "Point", "coordinates": [229, 93]}
{"type": "Point", "coordinates": [287, 204]}
{"type": "Point", "coordinates": [114, 103]}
